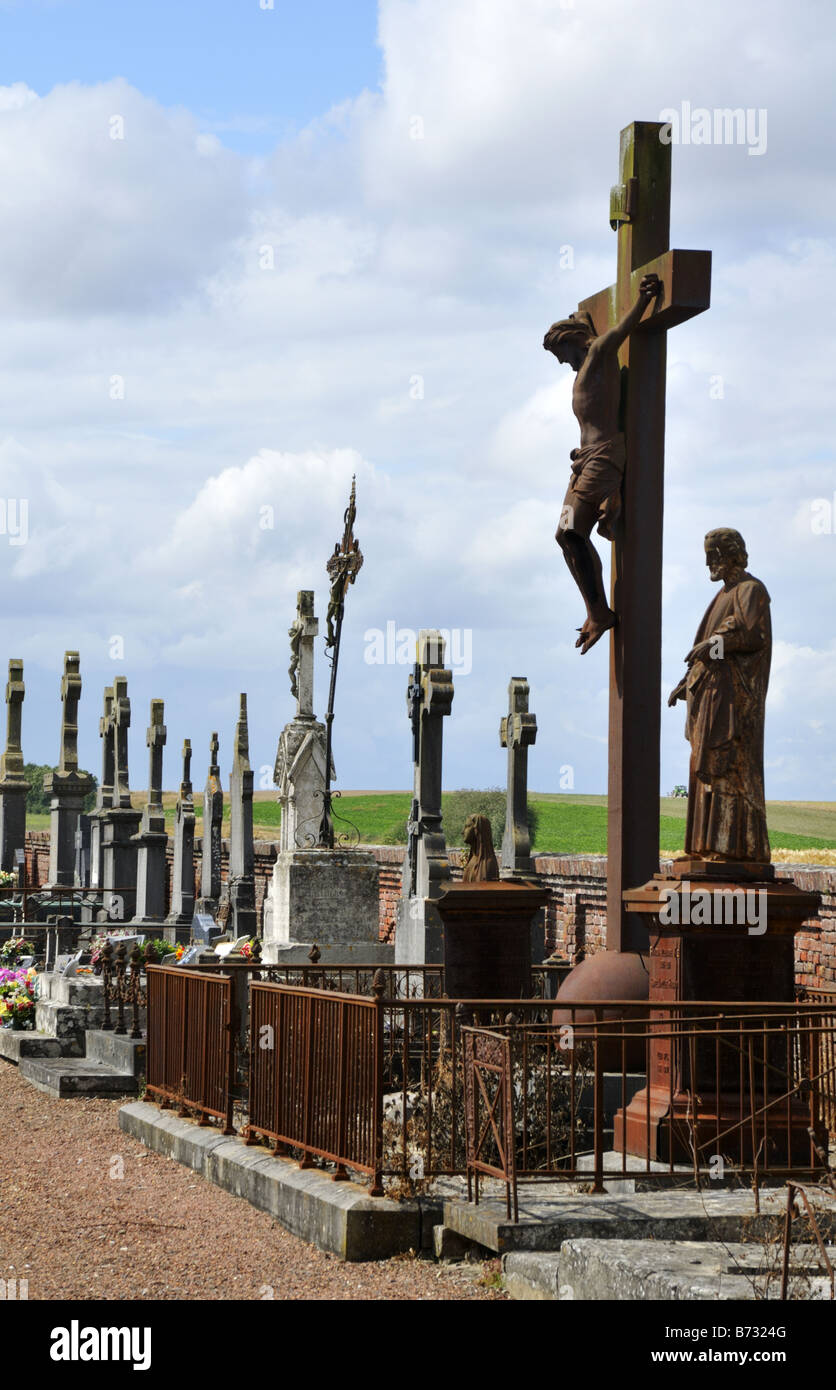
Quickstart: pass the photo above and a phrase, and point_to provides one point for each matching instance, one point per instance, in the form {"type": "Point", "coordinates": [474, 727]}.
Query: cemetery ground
{"type": "Point", "coordinates": [90, 1213]}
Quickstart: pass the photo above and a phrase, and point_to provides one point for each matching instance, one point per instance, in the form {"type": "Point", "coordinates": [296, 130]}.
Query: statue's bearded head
{"type": "Point", "coordinates": [725, 553]}
{"type": "Point", "coordinates": [569, 339]}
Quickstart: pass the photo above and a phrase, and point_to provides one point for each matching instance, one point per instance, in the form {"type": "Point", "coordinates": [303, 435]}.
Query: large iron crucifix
{"type": "Point", "coordinates": [656, 288]}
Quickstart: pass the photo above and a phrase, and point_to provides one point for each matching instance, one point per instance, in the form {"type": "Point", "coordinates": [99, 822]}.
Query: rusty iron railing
{"type": "Point", "coordinates": [191, 1043]}
{"type": "Point", "coordinates": [123, 985]}
{"type": "Point", "coordinates": [732, 1090]}
{"type": "Point", "coordinates": [315, 1065]}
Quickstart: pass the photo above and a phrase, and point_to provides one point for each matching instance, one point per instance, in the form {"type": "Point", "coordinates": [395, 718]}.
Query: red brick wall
{"type": "Point", "coordinates": [576, 914]}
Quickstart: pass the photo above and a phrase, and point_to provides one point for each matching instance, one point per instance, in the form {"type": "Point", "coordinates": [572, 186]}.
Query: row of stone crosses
{"type": "Point", "coordinates": [119, 853]}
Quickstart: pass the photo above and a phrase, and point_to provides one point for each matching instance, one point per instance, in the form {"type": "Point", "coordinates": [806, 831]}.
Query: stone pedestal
{"type": "Point", "coordinates": [725, 938]}
{"type": "Point", "coordinates": [119, 864]}
{"type": "Point", "coordinates": [487, 938]}
{"type": "Point", "coordinates": [67, 791]}
{"type": "Point", "coordinates": [419, 933]}
{"type": "Point", "coordinates": [12, 821]}
{"type": "Point", "coordinates": [330, 897]}
{"type": "Point", "coordinates": [151, 879]}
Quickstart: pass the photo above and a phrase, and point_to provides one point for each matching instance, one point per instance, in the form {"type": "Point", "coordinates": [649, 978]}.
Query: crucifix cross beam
{"type": "Point", "coordinates": [640, 214]}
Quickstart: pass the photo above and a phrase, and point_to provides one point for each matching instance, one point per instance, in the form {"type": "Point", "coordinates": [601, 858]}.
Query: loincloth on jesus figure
{"type": "Point", "coordinates": [597, 471]}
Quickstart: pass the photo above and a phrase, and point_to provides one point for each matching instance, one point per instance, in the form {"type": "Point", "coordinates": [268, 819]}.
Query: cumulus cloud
{"type": "Point", "coordinates": [191, 337]}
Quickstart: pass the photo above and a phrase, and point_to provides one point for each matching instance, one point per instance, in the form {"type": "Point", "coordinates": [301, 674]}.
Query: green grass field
{"type": "Point", "coordinates": [566, 823]}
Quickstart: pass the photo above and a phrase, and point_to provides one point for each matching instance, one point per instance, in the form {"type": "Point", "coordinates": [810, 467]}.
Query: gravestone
{"type": "Point", "coordinates": [316, 894]}
{"type": "Point", "coordinates": [517, 733]}
{"type": "Point", "coordinates": [13, 784]}
{"type": "Point", "coordinates": [120, 821]}
{"type": "Point", "coordinates": [241, 852]}
{"type": "Point", "coordinates": [183, 896]}
{"type": "Point", "coordinates": [300, 760]}
{"type": "Point", "coordinates": [299, 772]}
{"type": "Point", "coordinates": [213, 814]}
{"type": "Point", "coordinates": [426, 871]}
{"type": "Point", "coordinates": [66, 785]}
{"type": "Point", "coordinates": [82, 852]}
{"type": "Point", "coordinates": [104, 791]}
{"type": "Point", "coordinates": [152, 839]}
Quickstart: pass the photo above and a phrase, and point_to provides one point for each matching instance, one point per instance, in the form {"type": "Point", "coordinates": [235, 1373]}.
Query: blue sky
{"type": "Point", "coordinates": [246, 253]}
{"type": "Point", "coordinates": [252, 74]}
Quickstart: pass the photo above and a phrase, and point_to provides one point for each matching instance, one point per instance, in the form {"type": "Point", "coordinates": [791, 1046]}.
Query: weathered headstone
{"type": "Point", "coordinates": [82, 852]}
{"type": "Point", "coordinates": [300, 760]}
{"type": "Point", "coordinates": [241, 853]}
{"type": "Point", "coordinates": [13, 784]}
{"type": "Point", "coordinates": [66, 785]}
{"type": "Point", "coordinates": [121, 822]}
{"type": "Point", "coordinates": [104, 792]}
{"type": "Point", "coordinates": [213, 814]}
{"type": "Point", "coordinates": [152, 838]}
{"type": "Point", "coordinates": [182, 896]}
{"type": "Point", "coordinates": [517, 732]}
{"type": "Point", "coordinates": [316, 894]}
{"type": "Point", "coordinates": [426, 867]}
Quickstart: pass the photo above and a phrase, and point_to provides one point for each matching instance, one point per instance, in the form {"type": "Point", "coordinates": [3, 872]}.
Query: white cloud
{"type": "Point", "coordinates": [395, 259]}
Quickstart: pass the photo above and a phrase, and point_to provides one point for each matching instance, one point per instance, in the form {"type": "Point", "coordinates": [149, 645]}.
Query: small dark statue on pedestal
{"type": "Point", "coordinates": [725, 688]}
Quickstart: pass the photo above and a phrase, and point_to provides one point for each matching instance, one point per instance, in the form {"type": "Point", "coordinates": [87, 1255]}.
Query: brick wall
{"type": "Point", "coordinates": [576, 916]}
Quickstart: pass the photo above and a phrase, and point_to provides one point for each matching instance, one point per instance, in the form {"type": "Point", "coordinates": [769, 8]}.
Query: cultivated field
{"type": "Point", "coordinates": [567, 823]}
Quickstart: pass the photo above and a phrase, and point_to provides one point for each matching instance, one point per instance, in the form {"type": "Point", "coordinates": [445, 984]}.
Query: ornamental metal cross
{"type": "Point", "coordinates": [342, 567]}
{"type": "Point", "coordinates": [640, 214]}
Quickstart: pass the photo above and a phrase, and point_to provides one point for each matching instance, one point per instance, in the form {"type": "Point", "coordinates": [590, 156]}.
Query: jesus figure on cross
{"type": "Point", "coordinates": [594, 492]}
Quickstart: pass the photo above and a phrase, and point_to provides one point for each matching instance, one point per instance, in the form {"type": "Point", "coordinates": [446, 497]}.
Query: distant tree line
{"type": "Point", "coordinates": [36, 798]}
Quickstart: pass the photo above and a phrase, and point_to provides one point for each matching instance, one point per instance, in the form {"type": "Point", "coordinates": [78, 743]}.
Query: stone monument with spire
{"type": "Point", "coordinates": [13, 784]}
{"type": "Point", "coordinates": [66, 786]}
{"type": "Point", "coordinates": [152, 839]}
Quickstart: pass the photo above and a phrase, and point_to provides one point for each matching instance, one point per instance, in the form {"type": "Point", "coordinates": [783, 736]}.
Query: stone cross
{"type": "Point", "coordinates": [104, 793]}
{"type": "Point", "coordinates": [65, 785]}
{"type": "Point", "coordinates": [430, 870]}
{"type": "Point", "coordinates": [302, 634]}
{"type": "Point", "coordinates": [70, 696]}
{"type": "Point", "coordinates": [11, 763]}
{"type": "Point", "coordinates": [151, 842]}
{"type": "Point", "coordinates": [13, 784]}
{"type": "Point", "coordinates": [213, 811]}
{"type": "Point", "coordinates": [121, 724]}
{"type": "Point", "coordinates": [107, 730]}
{"type": "Point", "coordinates": [241, 858]}
{"type": "Point", "coordinates": [517, 732]}
{"type": "Point", "coordinates": [182, 894]}
{"type": "Point", "coordinates": [155, 738]}
{"type": "Point", "coordinates": [640, 213]}
{"type": "Point", "coordinates": [241, 850]}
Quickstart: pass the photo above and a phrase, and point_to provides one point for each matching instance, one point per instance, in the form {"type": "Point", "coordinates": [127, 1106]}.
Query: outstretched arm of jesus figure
{"type": "Point", "coordinates": [611, 341]}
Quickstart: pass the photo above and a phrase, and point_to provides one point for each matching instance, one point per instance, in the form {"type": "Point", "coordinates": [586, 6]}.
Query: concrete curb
{"type": "Point", "coordinates": [338, 1217]}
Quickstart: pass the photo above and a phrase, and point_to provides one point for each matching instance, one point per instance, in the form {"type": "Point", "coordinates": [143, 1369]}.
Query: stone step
{"type": "Point", "coordinates": [26, 1042]}
{"type": "Point", "coordinates": [687, 1270]}
{"type": "Point", "coordinates": [549, 1216]}
{"type": "Point", "coordinates": [116, 1051]}
{"type": "Point", "coordinates": [76, 1076]}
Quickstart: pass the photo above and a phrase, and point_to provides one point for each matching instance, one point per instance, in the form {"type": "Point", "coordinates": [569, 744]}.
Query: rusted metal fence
{"type": "Point", "coordinates": [701, 1089]}
{"type": "Point", "coordinates": [315, 1066]}
{"type": "Point", "coordinates": [191, 1043]}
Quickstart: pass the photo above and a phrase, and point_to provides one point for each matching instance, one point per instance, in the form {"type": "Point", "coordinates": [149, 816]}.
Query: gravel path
{"type": "Point", "coordinates": [89, 1212]}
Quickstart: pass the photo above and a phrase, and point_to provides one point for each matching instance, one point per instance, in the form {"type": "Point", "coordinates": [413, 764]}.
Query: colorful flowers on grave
{"type": "Point", "coordinates": [247, 949]}
{"type": "Point", "coordinates": [17, 998]}
{"type": "Point", "coordinates": [12, 950]}
{"type": "Point", "coordinates": [8, 878]}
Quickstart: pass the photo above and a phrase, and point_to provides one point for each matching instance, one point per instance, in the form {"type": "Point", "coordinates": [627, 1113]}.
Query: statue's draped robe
{"type": "Point", "coordinates": [726, 701]}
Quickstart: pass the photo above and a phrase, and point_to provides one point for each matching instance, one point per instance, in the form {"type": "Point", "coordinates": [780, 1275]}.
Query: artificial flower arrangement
{"type": "Point", "coordinates": [17, 998]}
{"type": "Point", "coordinates": [247, 949]}
{"type": "Point", "coordinates": [12, 950]}
{"type": "Point", "coordinates": [8, 878]}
